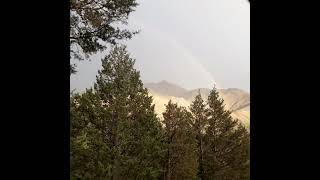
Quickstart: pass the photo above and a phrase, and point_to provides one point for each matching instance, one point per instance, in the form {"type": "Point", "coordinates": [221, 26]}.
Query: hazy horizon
{"type": "Point", "coordinates": [186, 43]}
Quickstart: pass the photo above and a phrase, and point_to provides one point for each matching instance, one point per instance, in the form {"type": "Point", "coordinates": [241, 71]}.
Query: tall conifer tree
{"type": "Point", "coordinates": [124, 126]}
{"type": "Point", "coordinates": [225, 142]}
{"type": "Point", "coordinates": [181, 159]}
{"type": "Point", "coordinates": [199, 122]}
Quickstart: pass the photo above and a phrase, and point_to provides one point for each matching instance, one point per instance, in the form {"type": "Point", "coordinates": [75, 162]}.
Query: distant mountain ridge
{"type": "Point", "coordinates": [166, 88]}
{"type": "Point", "coordinates": [236, 100]}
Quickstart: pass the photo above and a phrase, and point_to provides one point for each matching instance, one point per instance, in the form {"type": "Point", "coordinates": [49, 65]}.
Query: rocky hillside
{"type": "Point", "coordinates": [236, 100]}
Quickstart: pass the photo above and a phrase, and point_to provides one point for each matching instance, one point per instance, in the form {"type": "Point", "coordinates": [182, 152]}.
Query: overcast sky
{"type": "Point", "coordinates": [191, 43]}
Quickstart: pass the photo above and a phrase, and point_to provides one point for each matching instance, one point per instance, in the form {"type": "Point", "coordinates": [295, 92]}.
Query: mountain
{"type": "Point", "coordinates": [236, 100]}
{"type": "Point", "coordinates": [166, 88]}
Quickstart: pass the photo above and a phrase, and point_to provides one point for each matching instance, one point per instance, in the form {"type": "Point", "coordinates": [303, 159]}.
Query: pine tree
{"type": "Point", "coordinates": [89, 153]}
{"type": "Point", "coordinates": [116, 135]}
{"type": "Point", "coordinates": [123, 128]}
{"type": "Point", "coordinates": [181, 159]}
{"type": "Point", "coordinates": [93, 24]}
{"type": "Point", "coordinates": [226, 143]}
{"type": "Point", "coordinates": [199, 122]}
{"type": "Point", "coordinates": [241, 162]}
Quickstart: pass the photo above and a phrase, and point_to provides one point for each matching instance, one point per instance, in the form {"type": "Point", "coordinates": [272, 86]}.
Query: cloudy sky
{"type": "Point", "coordinates": [191, 43]}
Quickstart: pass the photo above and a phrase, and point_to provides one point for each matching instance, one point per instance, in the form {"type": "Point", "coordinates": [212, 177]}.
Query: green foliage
{"type": "Point", "coordinates": [93, 24]}
{"type": "Point", "coordinates": [115, 133]}
{"type": "Point", "coordinates": [199, 121]}
{"type": "Point", "coordinates": [87, 146]}
{"type": "Point", "coordinates": [181, 159]}
{"type": "Point", "coordinates": [226, 143]}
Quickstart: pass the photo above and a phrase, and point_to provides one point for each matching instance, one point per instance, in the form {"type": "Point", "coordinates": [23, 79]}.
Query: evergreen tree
{"type": "Point", "coordinates": [93, 24]}
{"type": "Point", "coordinates": [241, 163]}
{"type": "Point", "coordinates": [116, 135]}
{"type": "Point", "coordinates": [226, 143]}
{"type": "Point", "coordinates": [181, 159]}
{"type": "Point", "coordinates": [89, 153]}
{"type": "Point", "coordinates": [120, 133]}
{"type": "Point", "coordinates": [199, 122]}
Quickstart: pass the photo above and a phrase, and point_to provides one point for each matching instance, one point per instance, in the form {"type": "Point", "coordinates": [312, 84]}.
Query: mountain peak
{"type": "Point", "coordinates": [164, 82]}
{"type": "Point", "coordinates": [166, 88]}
